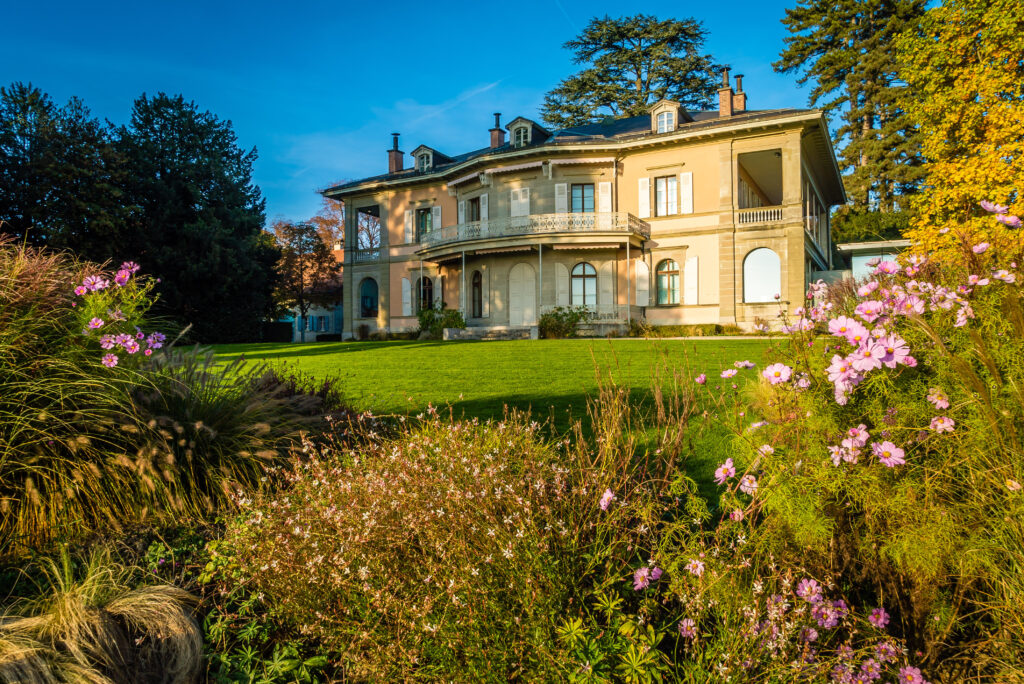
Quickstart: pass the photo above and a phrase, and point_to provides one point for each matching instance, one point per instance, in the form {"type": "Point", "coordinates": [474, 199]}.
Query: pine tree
{"type": "Point", "coordinates": [632, 63]}
{"type": "Point", "coordinates": [845, 48]}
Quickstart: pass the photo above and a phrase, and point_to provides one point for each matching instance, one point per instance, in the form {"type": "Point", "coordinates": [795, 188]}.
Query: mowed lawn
{"type": "Point", "coordinates": [551, 378]}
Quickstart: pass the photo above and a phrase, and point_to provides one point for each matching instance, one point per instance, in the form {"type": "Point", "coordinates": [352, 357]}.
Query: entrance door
{"type": "Point", "coordinates": [522, 296]}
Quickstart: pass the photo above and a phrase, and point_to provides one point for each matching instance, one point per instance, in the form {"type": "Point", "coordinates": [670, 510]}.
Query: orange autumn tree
{"type": "Point", "coordinates": [965, 75]}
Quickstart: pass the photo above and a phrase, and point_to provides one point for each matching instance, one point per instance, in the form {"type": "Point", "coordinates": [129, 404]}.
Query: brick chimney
{"type": "Point", "coordinates": [739, 98]}
{"type": "Point", "coordinates": [725, 95]}
{"type": "Point", "coordinates": [395, 157]}
{"type": "Point", "coordinates": [497, 133]}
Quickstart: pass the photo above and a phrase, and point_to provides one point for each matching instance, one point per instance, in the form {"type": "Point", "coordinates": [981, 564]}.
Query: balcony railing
{"type": "Point", "coordinates": [538, 224]}
{"type": "Point", "coordinates": [365, 256]}
{"type": "Point", "coordinates": [759, 215]}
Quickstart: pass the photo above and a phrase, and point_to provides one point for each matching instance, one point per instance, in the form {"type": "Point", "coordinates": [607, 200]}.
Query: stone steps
{"type": "Point", "coordinates": [490, 334]}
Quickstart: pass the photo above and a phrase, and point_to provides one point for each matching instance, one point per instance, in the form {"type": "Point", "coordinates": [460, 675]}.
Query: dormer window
{"type": "Point", "coordinates": [520, 136]}
{"type": "Point", "coordinates": [666, 122]}
{"type": "Point", "coordinates": [423, 162]}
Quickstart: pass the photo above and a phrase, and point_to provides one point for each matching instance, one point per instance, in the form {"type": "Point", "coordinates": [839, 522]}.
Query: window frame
{"type": "Point", "coordinates": [423, 215]}
{"type": "Point", "coordinates": [424, 286]}
{"type": "Point", "coordinates": [520, 136]}
{"type": "Point", "coordinates": [669, 121]}
{"type": "Point", "coordinates": [364, 310]}
{"type": "Point", "coordinates": [423, 162]}
{"type": "Point", "coordinates": [583, 198]}
{"type": "Point", "coordinates": [472, 209]}
{"type": "Point", "coordinates": [477, 299]}
{"type": "Point", "coordinates": [666, 280]}
{"type": "Point", "coordinates": [670, 196]}
{"type": "Point", "coordinates": [587, 281]}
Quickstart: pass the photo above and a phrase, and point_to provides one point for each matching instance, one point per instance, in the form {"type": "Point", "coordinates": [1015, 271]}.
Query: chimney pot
{"type": "Point", "coordinates": [725, 77]}
{"type": "Point", "coordinates": [725, 95]}
{"type": "Point", "coordinates": [497, 133]}
{"type": "Point", "coordinates": [497, 119]}
{"type": "Point", "coordinates": [395, 140]}
{"type": "Point", "coordinates": [395, 156]}
{"type": "Point", "coordinates": [739, 83]}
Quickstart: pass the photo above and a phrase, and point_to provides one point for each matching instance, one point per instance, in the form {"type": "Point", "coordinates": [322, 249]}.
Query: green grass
{"type": "Point", "coordinates": [552, 378]}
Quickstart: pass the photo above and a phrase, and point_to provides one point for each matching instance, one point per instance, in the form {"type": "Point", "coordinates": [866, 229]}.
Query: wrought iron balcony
{"type": "Point", "coordinates": [538, 224]}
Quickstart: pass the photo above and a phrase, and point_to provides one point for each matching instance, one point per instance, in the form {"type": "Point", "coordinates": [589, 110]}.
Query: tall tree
{"type": "Point", "coordinates": [308, 272]}
{"type": "Point", "coordinates": [845, 48]}
{"type": "Point", "coordinates": [200, 219]}
{"type": "Point", "coordinates": [966, 94]}
{"type": "Point", "coordinates": [632, 62]}
{"type": "Point", "coordinates": [61, 180]}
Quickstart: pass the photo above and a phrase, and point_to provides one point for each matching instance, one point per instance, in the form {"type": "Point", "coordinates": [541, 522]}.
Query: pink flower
{"type": "Point", "coordinates": [1005, 276]}
{"type": "Point", "coordinates": [942, 424]}
{"type": "Point", "coordinates": [148, 352]}
{"type": "Point", "coordinates": [910, 675]}
{"type": "Point", "coordinates": [725, 471]}
{"type": "Point", "coordinates": [156, 340]}
{"type": "Point", "coordinates": [81, 290]}
{"type": "Point", "coordinates": [874, 261]}
{"type": "Point", "coordinates": [938, 398]}
{"type": "Point", "coordinates": [1009, 221]}
{"type": "Point", "coordinates": [909, 304]}
{"type": "Point", "coordinates": [868, 357]}
{"type": "Point", "coordinates": [885, 651]}
{"type": "Point", "coordinates": [656, 573]}
{"type": "Point", "coordinates": [95, 323]}
{"type": "Point", "coordinates": [841, 326]}
{"type": "Point", "coordinates": [1013, 485]}
{"type": "Point", "coordinates": [109, 360]}
{"type": "Point", "coordinates": [95, 283]}
{"type": "Point", "coordinates": [869, 310]}
{"type": "Point", "coordinates": [107, 341]}
{"type": "Point", "coordinates": [993, 208]}
{"type": "Point", "coordinates": [606, 498]}
{"type": "Point", "coordinates": [856, 437]}
{"type": "Point", "coordinates": [888, 453]}
{"type": "Point", "coordinates": [122, 278]}
{"type": "Point", "coordinates": [701, 379]}
{"type": "Point", "coordinates": [736, 515]}
{"type": "Point", "coordinates": [809, 590]}
{"type": "Point", "coordinates": [748, 485]}
{"type": "Point", "coordinates": [129, 266]}
{"type": "Point", "coordinates": [744, 364]}
{"type": "Point", "coordinates": [777, 373]}
{"type": "Point", "coordinates": [765, 450]}
{"type": "Point", "coordinates": [887, 267]}
{"type": "Point", "coordinates": [980, 248]}
{"type": "Point", "coordinates": [840, 370]}
{"type": "Point", "coordinates": [867, 288]}
{"type": "Point", "coordinates": [131, 346]}
{"type": "Point", "coordinates": [977, 280]}
{"type": "Point", "coordinates": [729, 372]}
{"type": "Point", "coordinates": [896, 350]}
{"type": "Point", "coordinates": [695, 567]}
{"type": "Point", "coordinates": [879, 618]}
{"type": "Point", "coordinates": [687, 628]}
{"type": "Point", "coordinates": [641, 579]}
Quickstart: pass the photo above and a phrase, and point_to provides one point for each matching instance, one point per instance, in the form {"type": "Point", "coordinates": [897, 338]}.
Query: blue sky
{"type": "Point", "coordinates": [318, 87]}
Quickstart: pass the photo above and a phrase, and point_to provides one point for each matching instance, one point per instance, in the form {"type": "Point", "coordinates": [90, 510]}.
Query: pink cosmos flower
{"type": "Point", "coordinates": [121, 278]}
{"type": "Point", "coordinates": [95, 283]}
{"type": "Point", "coordinates": [942, 424]}
{"type": "Point", "coordinates": [701, 379]}
{"type": "Point", "coordinates": [888, 453]}
{"type": "Point", "coordinates": [871, 669]}
{"type": "Point", "coordinates": [857, 335]}
{"type": "Point", "coordinates": [873, 261]}
{"type": "Point", "coordinates": [1005, 276]}
{"type": "Point", "coordinates": [1013, 485]}
{"type": "Point", "coordinates": [695, 567]}
{"type": "Point", "coordinates": [748, 485]}
{"type": "Point", "coordinates": [976, 280]}
{"type": "Point", "coordinates": [938, 398]}
{"type": "Point", "coordinates": [840, 327]}
{"type": "Point", "coordinates": [867, 288]}
{"type": "Point", "coordinates": [809, 590]}
{"type": "Point", "coordinates": [857, 437]}
{"type": "Point", "coordinates": [910, 675]}
{"type": "Point", "coordinates": [156, 340]}
{"type": "Point", "coordinates": [980, 248]}
{"type": "Point", "coordinates": [887, 267]}
{"type": "Point", "coordinates": [870, 310]}
{"type": "Point", "coordinates": [687, 628]}
{"type": "Point", "coordinates": [777, 373]}
{"type": "Point", "coordinates": [765, 450]}
{"type": "Point", "coordinates": [909, 304]}
{"type": "Point", "coordinates": [131, 346]}
{"type": "Point", "coordinates": [656, 573]}
{"type": "Point", "coordinates": [729, 372]}
{"type": "Point", "coordinates": [606, 498]}
{"type": "Point", "coordinates": [744, 364]}
{"type": "Point", "coordinates": [109, 360]}
{"type": "Point", "coordinates": [107, 342]}
{"type": "Point", "coordinates": [725, 471]}
{"type": "Point", "coordinates": [641, 579]}
{"type": "Point", "coordinates": [993, 208]}
{"type": "Point", "coordinates": [81, 290]}
{"type": "Point", "coordinates": [736, 515]}
{"type": "Point", "coordinates": [868, 357]}
{"type": "Point", "coordinates": [808, 634]}
{"type": "Point", "coordinates": [896, 350]}
{"type": "Point", "coordinates": [886, 651]}
{"type": "Point", "coordinates": [95, 323]}
{"type": "Point", "coordinates": [148, 352]}
{"type": "Point", "coordinates": [836, 454]}
{"type": "Point", "coordinates": [129, 266]}
{"type": "Point", "coordinates": [879, 618]}
{"type": "Point", "coordinates": [840, 370]}
{"type": "Point", "coordinates": [1009, 221]}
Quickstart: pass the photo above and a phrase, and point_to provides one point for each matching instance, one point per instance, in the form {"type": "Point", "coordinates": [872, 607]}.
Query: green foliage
{"type": "Point", "coordinates": [641, 328]}
{"type": "Point", "coordinates": [846, 49]}
{"type": "Point", "coordinates": [434, 321]}
{"type": "Point", "coordinates": [562, 321]}
{"type": "Point", "coordinates": [632, 62]}
{"type": "Point", "coordinates": [853, 225]}
{"type": "Point", "coordinates": [308, 274]}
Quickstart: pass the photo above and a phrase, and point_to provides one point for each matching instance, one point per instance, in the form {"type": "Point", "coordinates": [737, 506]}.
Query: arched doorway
{"type": "Point", "coordinates": [522, 296]}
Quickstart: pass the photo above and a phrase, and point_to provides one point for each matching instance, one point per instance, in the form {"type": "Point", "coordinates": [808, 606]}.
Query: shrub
{"type": "Point", "coordinates": [562, 321]}
{"type": "Point", "coordinates": [434, 321]}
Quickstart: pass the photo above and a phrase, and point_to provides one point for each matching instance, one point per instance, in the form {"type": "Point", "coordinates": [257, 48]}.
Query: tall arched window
{"type": "Point", "coordinates": [667, 277]}
{"type": "Point", "coordinates": [762, 276]}
{"type": "Point", "coordinates": [478, 291]}
{"type": "Point", "coordinates": [424, 294]}
{"type": "Point", "coordinates": [368, 298]}
{"type": "Point", "coordinates": [584, 285]}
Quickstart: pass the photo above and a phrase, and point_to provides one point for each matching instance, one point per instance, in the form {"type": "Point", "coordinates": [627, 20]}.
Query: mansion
{"type": "Point", "coordinates": [675, 217]}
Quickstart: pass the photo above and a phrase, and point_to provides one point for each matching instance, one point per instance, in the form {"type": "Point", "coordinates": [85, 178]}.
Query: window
{"type": "Point", "coordinates": [583, 198]}
{"type": "Point", "coordinates": [368, 228]}
{"type": "Point", "coordinates": [762, 276]}
{"type": "Point", "coordinates": [423, 161]}
{"type": "Point", "coordinates": [473, 209]}
{"type": "Point", "coordinates": [666, 196]}
{"type": "Point", "coordinates": [424, 294]}
{"type": "Point", "coordinates": [666, 122]}
{"type": "Point", "coordinates": [424, 223]}
{"type": "Point", "coordinates": [584, 285]}
{"type": "Point", "coordinates": [478, 299]}
{"type": "Point", "coordinates": [368, 298]}
{"type": "Point", "coordinates": [520, 136]}
{"type": "Point", "coordinates": [668, 282]}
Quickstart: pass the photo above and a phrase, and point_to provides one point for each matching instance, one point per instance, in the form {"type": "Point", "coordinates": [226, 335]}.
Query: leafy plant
{"type": "Point", "coordinates": [562, 321]}
{"type": "Point", "coordinates": [434, 321]}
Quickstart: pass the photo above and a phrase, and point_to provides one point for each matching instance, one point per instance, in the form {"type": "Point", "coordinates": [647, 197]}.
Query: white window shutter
{"type": "Point", "coordinates": [644, 198]}
{"type": "Point", "coordinates": [606, 288]}
{"type": "Point", "coordinates": [604, 197]}
{"type": "Point", "coordinates": [435, 217]}
{"type": "Point", "coordinates": [524, 202]}
{"type": "Point", "coordinates": [406, 297]}
{"type": "Point", "coordinates": [410, 232]}
{"type": "Point", "coordinates": [513, 203]}
{"type": "Point", "coordinates": [561, 198]}
{"type": "Point", "coordinates": [561, 285]}
{"type": "Point", "coordinates": [673, 196]}
{"type": "Point", "coordinates": [462, 211]}
{"type": "Point", "coordinates": [643, 284]}
{"type": "Point", "coordinates": [485, 295]}
{"type": "Point", "coordinates": [690, 280]}
{"type": "Point", "coordinates": [686, 193]}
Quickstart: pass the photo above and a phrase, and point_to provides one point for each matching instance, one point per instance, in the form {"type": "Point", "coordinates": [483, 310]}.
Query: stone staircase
{"type": "Point", "coordinates": [490, 334]}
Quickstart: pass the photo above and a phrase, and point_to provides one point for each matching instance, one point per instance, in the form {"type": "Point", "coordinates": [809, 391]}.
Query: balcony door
{"type": "Point", "coordinates": [522, 296]}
